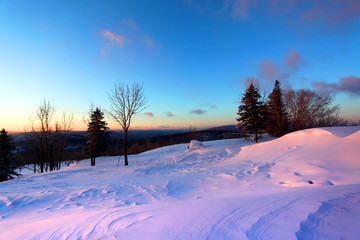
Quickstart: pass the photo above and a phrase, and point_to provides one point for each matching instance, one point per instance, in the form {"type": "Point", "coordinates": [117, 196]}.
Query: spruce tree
{"type": "Point", "coordinates": [7, 160]}
{"type": "Point", "coordinates": [96, 135]}
{"type": "Point", "coordinates": [278, 117]}
{"type": "Point", "coordinates": [252, 112]}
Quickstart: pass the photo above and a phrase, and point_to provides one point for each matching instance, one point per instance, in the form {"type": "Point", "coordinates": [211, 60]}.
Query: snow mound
{"type": "Point", "coordinates": [195, 145]}
{"type": "Point", "coordinates": [342, 132]}
{"type": "Point", "coordinates": [310, 157]}
{"type": "Point", "coordinates": [354, 137]}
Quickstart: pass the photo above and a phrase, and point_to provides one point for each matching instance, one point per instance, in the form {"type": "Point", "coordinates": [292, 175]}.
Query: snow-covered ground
{"type": "Point", "coordinates": [305, 185]}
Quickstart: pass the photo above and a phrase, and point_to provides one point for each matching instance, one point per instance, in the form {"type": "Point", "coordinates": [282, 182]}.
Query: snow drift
{"type": "Point", "coordinates": [304, 185]}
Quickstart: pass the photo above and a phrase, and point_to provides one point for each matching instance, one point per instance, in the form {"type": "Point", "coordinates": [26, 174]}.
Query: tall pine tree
{"type": "Point", "coordinates": [278, 117]}
{"type": "Point", "coordinates": [97, 135]}
{"type": "Point", "coordinates": [252, 112]}
{"type": "Point", "coordinates": [7, 160]}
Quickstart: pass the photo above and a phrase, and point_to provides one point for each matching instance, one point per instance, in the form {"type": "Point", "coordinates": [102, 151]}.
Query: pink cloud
{"type": "Point", "coordinates": [294, 59]}
{"type": "Point", "coordinates": [268, 70]}
{"type": "Point", "coordinates": [198, 111]}
{"type": "Point", "coordinates": [169, 114]}
{"type": "Point", "coordinates": [350, 85]}
{"type": "Point", "coordinates": [150, 114]}
{"type": "Point", "coordinates": [113, 37]}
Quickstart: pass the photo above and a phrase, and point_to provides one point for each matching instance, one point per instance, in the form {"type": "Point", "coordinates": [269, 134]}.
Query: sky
{"type": "Point", "coordinates": [191, 57]}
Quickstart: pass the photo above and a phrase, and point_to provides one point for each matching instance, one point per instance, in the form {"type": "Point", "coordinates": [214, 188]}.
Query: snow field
{"type": "Point", "coordinates": [304, 185]}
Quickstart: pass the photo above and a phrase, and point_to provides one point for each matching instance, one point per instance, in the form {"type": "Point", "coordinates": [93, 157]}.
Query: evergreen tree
{"type": "Point", "coordinates": [278, 117]}
{"type": "Point", "coordinates": [7, 160]}
{"type": "Point", "coordinates": [252, 112]}
{"type": "Point", "coordinates": [96, 135]}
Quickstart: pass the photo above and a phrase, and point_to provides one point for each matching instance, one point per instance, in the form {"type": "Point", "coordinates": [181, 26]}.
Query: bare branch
{"type": "Point", "coordinates": [125, 102]}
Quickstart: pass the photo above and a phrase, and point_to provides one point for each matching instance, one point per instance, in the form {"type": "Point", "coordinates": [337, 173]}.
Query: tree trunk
{"type": "Point", "coordinates": [256, 137]}
{"type": "Point", "coordinates": [125, 146]}
{"type": "Point", "coordinates": [92, 160]}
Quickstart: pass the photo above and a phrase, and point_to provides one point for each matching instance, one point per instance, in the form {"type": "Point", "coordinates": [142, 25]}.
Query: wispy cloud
{"type": "Point", "coordinates": [115, 38]}
{"type": "Point", "coordinates": [148, 41]}
{"type": "Point", "coordinates": [349, 85]}
{"type": "Point", "coordinates": [114, 41]}
{"type": "Point", "coordinates": [198, 111]}
{"type": "Point", "coordinates": [170, 114]}
{"type": "Point", "coordinates": [164, 127]}
{"type": "Point", "coordinates": [209, 105]}
{"type": "Point", "coordinates": [349, 11]}
{"type": "Point", "coordinates": [131, 33]}
{"type": "Point", "coordinates": [239, 8]}
{"type": "Point", "coordinates": [329, 14]}
{"type": "Point", "coordinates": [150, 114]}
{"type": "Point", "coordinates": [130, 23]}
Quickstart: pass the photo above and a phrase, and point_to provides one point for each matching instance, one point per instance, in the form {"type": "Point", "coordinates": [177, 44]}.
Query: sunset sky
{"type": "Point", "coordinates": [192, 57]}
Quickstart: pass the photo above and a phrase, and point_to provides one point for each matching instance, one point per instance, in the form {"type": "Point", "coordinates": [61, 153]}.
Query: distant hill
{"type": "Point", "coordinates": [134, 134]}
{"type": "Point", "coordinates": [224, 128]}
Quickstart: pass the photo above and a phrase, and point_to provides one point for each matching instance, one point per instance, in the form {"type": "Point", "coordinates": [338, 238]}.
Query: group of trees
{"type": "Point", "coordinates": [125, 102]}
{"type": "Point", "coordinates": [45, 137]}
{"type": "Point", "coordinates": [283, 112]}
{"type": "Point", "coordinates": [47, 141]}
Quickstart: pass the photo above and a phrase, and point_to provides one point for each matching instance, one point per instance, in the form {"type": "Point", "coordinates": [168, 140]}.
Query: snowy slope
{"type": "Point", "coordinates": [305, 185]}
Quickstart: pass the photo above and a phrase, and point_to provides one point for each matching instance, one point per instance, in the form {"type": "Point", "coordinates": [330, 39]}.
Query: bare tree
{"type": "Point", "coordinates": [47, 138]}
{"type": "Point", "coordinates": [62, 128]}
{"type": "Point", "coordinates": [308, 109]}
{"type": "Point", "coordinates": [39, 134]}
{"type": "Point", "coordinates": [125, 102]}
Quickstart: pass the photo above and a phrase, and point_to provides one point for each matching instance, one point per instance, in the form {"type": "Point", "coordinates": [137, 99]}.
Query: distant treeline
{"type": "Point", "coordinates": [75, 142]}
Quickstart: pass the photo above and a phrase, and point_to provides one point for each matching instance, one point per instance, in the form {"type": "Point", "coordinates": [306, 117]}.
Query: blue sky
{"type": "Point", "coordinates": [192, 57]}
